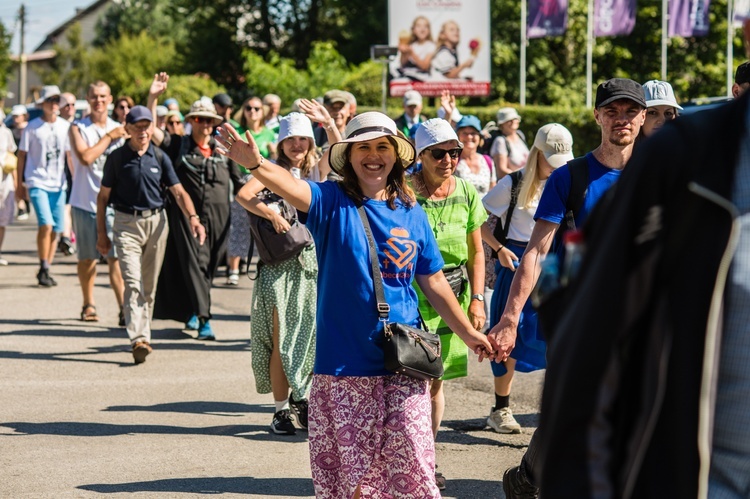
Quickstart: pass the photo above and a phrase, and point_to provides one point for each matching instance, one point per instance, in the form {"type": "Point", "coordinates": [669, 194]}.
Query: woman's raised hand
{"type": "Point", "coordinates": [314, 110]}
{"type": "Point", "coordinates": [243, 152]}
{"type": "Point", "coordinates": [448, 103]}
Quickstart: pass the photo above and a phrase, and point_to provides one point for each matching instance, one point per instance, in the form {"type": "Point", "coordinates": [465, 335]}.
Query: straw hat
{"type": "Point", "coordinates": [204, 108]}
{"type": "Point", "coordinates": [369, 126]}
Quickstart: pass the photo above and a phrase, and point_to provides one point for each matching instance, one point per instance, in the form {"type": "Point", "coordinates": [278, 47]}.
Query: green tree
{"type": "Point", "coordinates": [189, 88]}
{"type": "Point", "coordinates": [70, 67]}
{"type": "Point", "coordinates": [5, 63]}
{"type": "Point", "coordinates": [161, 18]}
{"type": "Point", "coordinates": [129, 63]}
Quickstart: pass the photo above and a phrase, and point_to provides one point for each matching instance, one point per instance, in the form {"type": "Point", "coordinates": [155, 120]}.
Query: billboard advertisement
{"type": "Point", "coordinates": [443, 45]}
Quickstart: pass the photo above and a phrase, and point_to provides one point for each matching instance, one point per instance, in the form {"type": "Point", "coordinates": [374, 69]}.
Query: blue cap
{"type": "Point", "coordinates": [170, 101]}
{"type": "Point", "coordinates": [469, 120]}
{"type": "Point", "coordinates": [138, 113]}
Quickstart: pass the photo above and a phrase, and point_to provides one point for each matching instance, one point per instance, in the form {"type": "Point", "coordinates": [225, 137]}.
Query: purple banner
{"type": "Point", "coordinates": [547, 18]}
{"type": "Point", "coordinates": [613, 17]}
{"type": "Point", "coordinates": [688, 17]}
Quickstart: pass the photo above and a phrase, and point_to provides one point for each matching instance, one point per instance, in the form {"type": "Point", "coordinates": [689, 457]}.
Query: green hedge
{"type": "Point", "coordinates": [580, 121]}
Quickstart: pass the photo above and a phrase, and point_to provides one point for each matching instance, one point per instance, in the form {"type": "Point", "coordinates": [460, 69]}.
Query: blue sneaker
{"type": "Point", "coordinates": [192, 324]}
{"type": "Point", "coordinates": [205, 332]}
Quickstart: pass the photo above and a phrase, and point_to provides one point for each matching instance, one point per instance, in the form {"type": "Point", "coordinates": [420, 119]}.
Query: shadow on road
{"type": "Point", "coordinates": [214, 408]}
{"type": "Point", "coordinates": [280, 487]}
{"type": "Point", "coordinates": [78, 429]}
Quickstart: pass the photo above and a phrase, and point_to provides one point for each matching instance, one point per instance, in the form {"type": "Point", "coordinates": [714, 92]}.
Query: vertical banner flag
{"type": "Point", "coordinates": [688, 17]}
{"type": "Point", "coordinates": [614, 17]}
{"type": "Point", "coordinates": [442, 45]}
{"type": "Point", "coordinates": [741, 11]}
{"type": "Point", "coordinates": [547, 18]}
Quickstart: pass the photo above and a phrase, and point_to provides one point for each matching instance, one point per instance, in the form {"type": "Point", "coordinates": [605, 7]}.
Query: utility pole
{"type": "Point", "coordinates": [22, 57]}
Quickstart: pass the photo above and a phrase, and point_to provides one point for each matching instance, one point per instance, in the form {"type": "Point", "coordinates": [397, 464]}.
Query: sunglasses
{"type": "Point", "coordinates": [174, 122]}
{"type": "Point", "coordinates": [439, 154]}
{"type": "Point", "coordinates": [204, 120]}
{"type": "Point", "coordinates": [123, 106]}
{"type": "Point", "coordinates": [53, 100]}
{"type": "Point", "coordinates": [253, 108]}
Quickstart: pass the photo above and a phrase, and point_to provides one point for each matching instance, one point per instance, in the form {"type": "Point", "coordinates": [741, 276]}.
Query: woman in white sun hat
{"type": "Point", "coordinates": [509, 150]}
{"type": "Point", "coordinates": [370, 430]}
{"type": "Point", "coordinates": [661, 106]}
{"type": "Point", "coordinates": [283, 306]}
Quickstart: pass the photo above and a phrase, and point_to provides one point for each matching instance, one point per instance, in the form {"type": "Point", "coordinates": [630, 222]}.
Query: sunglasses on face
{"type": "Point", "coordinates": [439, 154]}
{"type": "Point", "coordinates": [174, 122]}
{"type": "Point", "coordinates": [253, 108]}
{"type": "Point", "coordinates": [53, 100]}
{"type": "Point", "coordinates": [123, 106]}
{"type": "Point", "coordinates": [204, 120]}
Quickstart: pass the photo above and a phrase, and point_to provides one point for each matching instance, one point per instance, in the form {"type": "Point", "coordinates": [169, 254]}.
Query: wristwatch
{"type": "Point", "coordinates": [477, 297]}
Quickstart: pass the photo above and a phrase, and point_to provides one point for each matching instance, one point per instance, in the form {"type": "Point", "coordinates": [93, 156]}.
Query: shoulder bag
{"type": "Point", "coordinates": [407, 350]}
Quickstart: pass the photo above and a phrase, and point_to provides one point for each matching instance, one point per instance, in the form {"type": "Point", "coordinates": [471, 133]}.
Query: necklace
{"type": "Point", "coordinates": [438, 214]}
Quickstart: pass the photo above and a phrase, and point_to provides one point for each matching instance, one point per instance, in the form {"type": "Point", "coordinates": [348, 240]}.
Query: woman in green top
{"type": "Point", "coordinates": [456, 214]}
{"type": "Point", "coordinates": [251, 117]}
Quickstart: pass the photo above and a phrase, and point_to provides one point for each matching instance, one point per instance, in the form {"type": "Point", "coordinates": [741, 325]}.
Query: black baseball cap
{"type": "Point", "coordinates": [742, 75]}
{"type": "Point", "coordinates": [619, 88]}
{"type": "Point", "coordinates": [222, 100]}
{"type": "Point", "coordinates": [138, 113]}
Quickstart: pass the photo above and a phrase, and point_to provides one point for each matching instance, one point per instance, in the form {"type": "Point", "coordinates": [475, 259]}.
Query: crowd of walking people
{"type": "Point", "coordinates": [439, 223]}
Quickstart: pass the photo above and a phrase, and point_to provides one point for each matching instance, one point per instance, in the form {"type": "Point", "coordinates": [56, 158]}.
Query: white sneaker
{"type": "Point", "coordinates": [3, 262]}
{"type": "Point", "coordinates": [233, 279]}
{"type": "Point", "coordinates": [502, 421]}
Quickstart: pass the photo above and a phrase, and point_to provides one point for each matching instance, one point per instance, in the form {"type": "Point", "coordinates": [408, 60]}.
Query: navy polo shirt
{"type": "Point", "coordinates": [138, 182]}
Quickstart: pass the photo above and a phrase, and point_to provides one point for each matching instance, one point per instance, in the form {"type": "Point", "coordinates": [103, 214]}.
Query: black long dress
{"type": "Point", "coordinates": [184, 287]}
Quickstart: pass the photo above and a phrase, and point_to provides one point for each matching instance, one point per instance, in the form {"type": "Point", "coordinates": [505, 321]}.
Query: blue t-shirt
{"type": "Point", "coordinates": [555, 195]}
{"type": "Point", "coordinates": [348, 328]}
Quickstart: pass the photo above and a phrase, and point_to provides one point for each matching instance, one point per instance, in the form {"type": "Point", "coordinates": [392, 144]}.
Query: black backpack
{"type": "Point", "coordinates": [501, 230]}
{"type": "Point", "coordinates": [579, 186]}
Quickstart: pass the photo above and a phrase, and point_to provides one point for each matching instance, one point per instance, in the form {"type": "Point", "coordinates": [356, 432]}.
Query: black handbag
{"type": "Point", "coordinates": [406, 349]}
{"type": "Point", "coordinates": [457, 279]}
{"type": "Point", "coordinates": [275, 248]}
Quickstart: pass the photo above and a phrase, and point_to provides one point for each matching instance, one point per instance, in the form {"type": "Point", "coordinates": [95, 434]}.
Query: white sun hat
{"type": "Point", "coordinates": [659, 93]}
{"type": "Point", "coordinates": [48, 91]}
{"type": "Point", "coordinates": [434, 131]}
{"type": "Point", "coordinates": [505, 114]}
{"type": "Point", "coordinates": [295, 125]}
{"type": "Point", "coordinates": [369, 126]}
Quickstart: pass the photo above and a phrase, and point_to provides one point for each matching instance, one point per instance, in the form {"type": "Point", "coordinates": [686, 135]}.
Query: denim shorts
{"type": "Point", "coordinates": [84, 226]}
{"type": "Point", "coordinates": [49, 208]}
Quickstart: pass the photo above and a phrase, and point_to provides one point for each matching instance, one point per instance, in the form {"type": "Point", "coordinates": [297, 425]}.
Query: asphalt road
{"type": "Point", "coordinates": [78, 419]}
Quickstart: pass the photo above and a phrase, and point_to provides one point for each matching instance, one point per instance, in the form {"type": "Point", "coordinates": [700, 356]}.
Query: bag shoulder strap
{"type": "Point", "coordinates": [501, 230]}
{"type": "Point", "coordinates": [579, 185]}
{"type": "Point", "coordinates": [377, 278]}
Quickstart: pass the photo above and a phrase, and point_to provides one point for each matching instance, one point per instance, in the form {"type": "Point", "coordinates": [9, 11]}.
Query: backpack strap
{"type": "Point", "coordinates": [579, 186]}
{"type": "Point", "coordinates": [501, 230]}
{"type": "Point", "coordinates": [490, 163]}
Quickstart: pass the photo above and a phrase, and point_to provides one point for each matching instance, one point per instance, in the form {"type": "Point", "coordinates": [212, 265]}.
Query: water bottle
{"type": "Point", "coordinates": [549, 279]}
{"type": "Point", "coordinates": [574, 251]}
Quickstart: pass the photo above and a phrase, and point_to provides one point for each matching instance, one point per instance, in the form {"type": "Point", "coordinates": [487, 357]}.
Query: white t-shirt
{"type": "Point", "coordinates": [518, 151]}
{"type": "Point", "coordinates": [497, 201]}
{"type": "Point", "coordinates": [482, 180]}
{"type": "Point", "coordinates": [87, 179]}
{"type": "Point", "coordinates": [45, 145]}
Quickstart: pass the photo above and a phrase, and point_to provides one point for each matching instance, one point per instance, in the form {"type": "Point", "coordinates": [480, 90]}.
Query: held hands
{"type": "Point", "coordinates": [503, 338]}
{"type": "Point", "coordinates": [159, 85]}
{"type": "Point", "coordinates": [243, 152]}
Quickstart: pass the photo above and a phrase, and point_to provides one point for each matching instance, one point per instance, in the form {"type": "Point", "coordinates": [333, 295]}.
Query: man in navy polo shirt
{"type": "Point", "coordinates": [134, 180]}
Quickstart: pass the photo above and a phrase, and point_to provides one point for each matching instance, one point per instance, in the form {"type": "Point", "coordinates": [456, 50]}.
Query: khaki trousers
{"type": "Point", "coordinates": [140, 243]}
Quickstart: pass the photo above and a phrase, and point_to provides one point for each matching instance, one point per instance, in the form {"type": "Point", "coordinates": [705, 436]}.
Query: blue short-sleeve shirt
{"type": "Point", "coordinates": [348, 329]}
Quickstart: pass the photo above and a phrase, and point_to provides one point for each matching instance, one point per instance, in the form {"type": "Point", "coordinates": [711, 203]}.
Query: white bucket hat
{"type": "Point", "coordinates": [556, 143]}
{"type": "Point", "coordinates": [659, 93]}
{"type": "Point", "coordinates": [369, 126]}
{"type": "Point", "coordinates": [48, 91]}
{"type": "Point", "coordinates": [204, 108]}
{"type": "Point", "coordinates": [295, 125]}
{"type": "Point", "coordinates": [434, 131]}
{"type": "Point", "coordinates": [19, 110]}
{"type": "Point", "coordinates": [505, 114]}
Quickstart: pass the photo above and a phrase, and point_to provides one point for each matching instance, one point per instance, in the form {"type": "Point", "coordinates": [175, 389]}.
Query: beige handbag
{"type": "Point", "coordinates": [10, 163]}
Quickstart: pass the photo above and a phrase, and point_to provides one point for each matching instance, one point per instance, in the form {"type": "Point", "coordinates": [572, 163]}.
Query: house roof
{"type": "Point", "coordinates": [53, 35]}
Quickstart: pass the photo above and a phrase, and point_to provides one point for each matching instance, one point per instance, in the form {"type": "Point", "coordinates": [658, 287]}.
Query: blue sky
{"type": "Point", "coordinates": [42, 16]}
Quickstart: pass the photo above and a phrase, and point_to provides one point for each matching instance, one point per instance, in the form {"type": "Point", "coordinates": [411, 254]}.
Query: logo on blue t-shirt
{"type": "Point", "coordinates": [400, 252]}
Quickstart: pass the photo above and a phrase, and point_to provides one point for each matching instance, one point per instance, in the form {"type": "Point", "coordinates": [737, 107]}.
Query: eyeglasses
{"type": "Point", "coordinates": [141, 128]}
{"type": "Point", "coordinates": [439, 154]}
{"type": "Point", "coordinates": [253, 108]}
{"type": "Point", "coordinates": [67, 104]}
{"type": "Point", "coordinates": [204, 120]}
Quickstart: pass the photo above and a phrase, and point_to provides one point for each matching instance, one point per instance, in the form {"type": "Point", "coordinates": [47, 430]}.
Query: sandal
{"type": "Point", "coordinates": [439, 480]}
{"type": "Point", "coordinates": [88, 314]}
